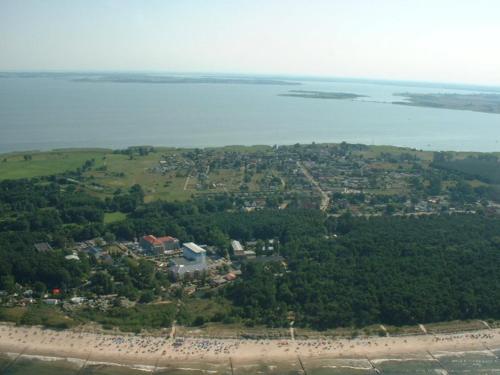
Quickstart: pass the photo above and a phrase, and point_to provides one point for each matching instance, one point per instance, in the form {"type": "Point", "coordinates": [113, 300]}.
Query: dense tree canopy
{"type": "Point", "coordinates": [389, 270]}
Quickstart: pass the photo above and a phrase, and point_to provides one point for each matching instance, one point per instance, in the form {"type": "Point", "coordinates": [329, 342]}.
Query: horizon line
{"type": "Point", "coordinates": [303, 76]}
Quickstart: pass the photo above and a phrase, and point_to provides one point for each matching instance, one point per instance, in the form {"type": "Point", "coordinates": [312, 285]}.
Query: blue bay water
{"type": "Point", "coordinates": [46, 113]}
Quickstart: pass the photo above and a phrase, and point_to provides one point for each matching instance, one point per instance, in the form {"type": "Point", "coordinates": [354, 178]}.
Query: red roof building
{"type": "Point", "coordinates": [159, 245]}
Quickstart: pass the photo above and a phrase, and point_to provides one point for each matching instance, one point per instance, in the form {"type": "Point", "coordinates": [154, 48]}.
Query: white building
{"type": "Point", "coordinates": [238, 249]}
{"type": "Point", "coordinates": [72, 257]}
{"type": "Point", "coordinates": [192, 251]}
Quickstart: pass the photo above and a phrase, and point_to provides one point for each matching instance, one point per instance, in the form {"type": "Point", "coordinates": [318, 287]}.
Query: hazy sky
{"type": "Point", "coordinates": [434, 40]}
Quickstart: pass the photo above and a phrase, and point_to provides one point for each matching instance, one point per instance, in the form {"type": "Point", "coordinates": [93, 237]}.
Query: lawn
{"type": "Point", "coordinates": [112, 217]}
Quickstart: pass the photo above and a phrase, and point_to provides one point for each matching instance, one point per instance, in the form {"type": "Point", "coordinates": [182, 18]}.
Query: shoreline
{"type": "Point", "coordinates": [243, 146]}
{"type": "Point", "coordinates": [163, 352]}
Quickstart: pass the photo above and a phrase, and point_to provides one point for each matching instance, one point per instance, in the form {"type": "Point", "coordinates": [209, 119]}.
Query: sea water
{"type": "Point", "coordinates": [484, 363]}
{"type": "Point", "coordinates": [58, 112]}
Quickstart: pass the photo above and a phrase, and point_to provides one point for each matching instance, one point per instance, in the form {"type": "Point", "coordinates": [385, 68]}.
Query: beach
{"type": "Point", "coordinates": [159, 352]}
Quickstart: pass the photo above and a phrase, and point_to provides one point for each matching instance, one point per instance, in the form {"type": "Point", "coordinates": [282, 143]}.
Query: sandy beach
{"type": "Point", "coordinates": [163, 351]}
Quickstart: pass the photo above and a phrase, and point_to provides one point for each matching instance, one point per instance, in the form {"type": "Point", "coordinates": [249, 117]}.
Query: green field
{"type": "Point", "coordinates": [14, 166]}
{"type": "Point", "coordinates": [112, 171]}
{"type": "Point", "coordinates": [112, 217]}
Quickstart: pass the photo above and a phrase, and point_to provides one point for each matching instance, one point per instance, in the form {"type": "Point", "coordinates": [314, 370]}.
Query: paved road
{"type": "Point", "coordinates": [325, 199]}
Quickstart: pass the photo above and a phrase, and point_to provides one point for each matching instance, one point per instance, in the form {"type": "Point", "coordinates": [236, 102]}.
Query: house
{"type": "Point", "coordinates": [193, 252]}
{"type": "Point", "coordinates": [238, 249]}
{"type": "Point", "coordinates": [43, 247]}
{"type": "Point", "coordinates": [270, 245]}
{"type": "Point", "coordinates": [250, 254]}
{"type": "Point", "coordinates": [105, 258]}
{"type": "Point", "coordinates": [51, 301]}
{"type": "Point", "coordinates": [72, 257]}
{"type": "Point", "coordinates": [77, 300]}
{"type": "Point", "coordinates": [230, 276]}
{"type": "Point", "coordinates": [159, 245]}
{"type": "Point", "coordinates": [93, 250]}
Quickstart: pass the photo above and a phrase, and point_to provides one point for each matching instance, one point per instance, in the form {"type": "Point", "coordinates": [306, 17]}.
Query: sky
{"type": "Point", "coordinates": [426, 40]}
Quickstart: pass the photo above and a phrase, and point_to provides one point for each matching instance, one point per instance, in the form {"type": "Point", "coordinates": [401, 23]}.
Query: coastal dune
{"type": "Point", "coordinates": [160, 351]}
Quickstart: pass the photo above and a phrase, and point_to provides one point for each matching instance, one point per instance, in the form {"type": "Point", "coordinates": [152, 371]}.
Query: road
{"type": "Point", "coordinates": [325, 199]}
{"type": "Point", "coordinates": [187, 182]}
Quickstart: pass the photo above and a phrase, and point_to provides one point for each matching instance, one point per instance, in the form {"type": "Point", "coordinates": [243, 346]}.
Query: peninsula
{"type": "Point", "coordinates": [488, 103]}
{"type": "Point", "coordinates": [322, 95]}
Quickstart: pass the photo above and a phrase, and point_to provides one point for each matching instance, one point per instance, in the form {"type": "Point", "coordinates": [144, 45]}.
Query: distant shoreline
{"type": "Point", "coordinates": [90, 149]}
{"type": "Point", "coordinates": [267, 76]}
{"type": "Point", "coordinates": [322, 95]}
{"type": "Point", "coordinates": [485, 103]}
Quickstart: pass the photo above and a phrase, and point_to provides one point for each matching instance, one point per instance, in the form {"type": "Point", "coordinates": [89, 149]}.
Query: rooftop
{"type": "Point", "coordinates": [194, 248]}
{"type": "Point", "coordinates": [182, 266]}
{"type": "Point", "coordinates": [167, 239]}
{"type": "Point", "coordinates": [236, 245]}
{"type": "Point", "coordinates": [42, 247]}
{"type": "Point", "coordinates": [152, 240]}
{"type": "Point", "coordinates": [158, 241]}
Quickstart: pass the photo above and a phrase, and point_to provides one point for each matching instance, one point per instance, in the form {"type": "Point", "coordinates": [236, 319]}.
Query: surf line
{"type": "Point", "coordinates": [12, 363]}
{"type": "Point", "coordinates": [80, 371]}
{"type": "Point", "coordinates": [373, 366]}
{"type": "Point", "coordinates": [302, 365]}
{"type": "Point", "coordinates": [439, 362]}
{"type": "Point", "coordinates": [490, 351]}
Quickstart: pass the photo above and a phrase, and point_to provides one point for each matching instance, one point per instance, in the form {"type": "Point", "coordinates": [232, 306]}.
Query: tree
{"type": "Point", "coordinates": [7, 283]}
{"type": "Point", "coordinates": [39, 289]}
{"type": "Point", "coordinates": [101, 283]}
{"type": "Point", "coordinates": [147, 296]}
{"type": "Point", "coordinates": [109, 237]}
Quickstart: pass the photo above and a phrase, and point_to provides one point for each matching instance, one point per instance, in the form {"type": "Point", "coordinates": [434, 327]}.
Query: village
{"type": "Point", "coordinates": [339, 179]}
{"type": "Point", "coordinates": [187, 266]}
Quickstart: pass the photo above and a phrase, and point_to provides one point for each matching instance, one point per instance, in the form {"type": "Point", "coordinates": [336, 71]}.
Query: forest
{"type": "Point", "coordinates": [391, 270]}
{"type": "Point", "coordinates": [338, 271]}
{"type": "Point", "coordinates": [483, 167]}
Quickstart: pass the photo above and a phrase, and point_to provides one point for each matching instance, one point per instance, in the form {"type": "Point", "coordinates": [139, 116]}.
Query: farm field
{"type": "Point", "coordinates": [113, 171]}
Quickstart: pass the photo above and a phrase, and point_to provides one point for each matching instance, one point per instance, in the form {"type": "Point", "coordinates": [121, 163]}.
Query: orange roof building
{"type": "Point", "coordinates": [159, 245]}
